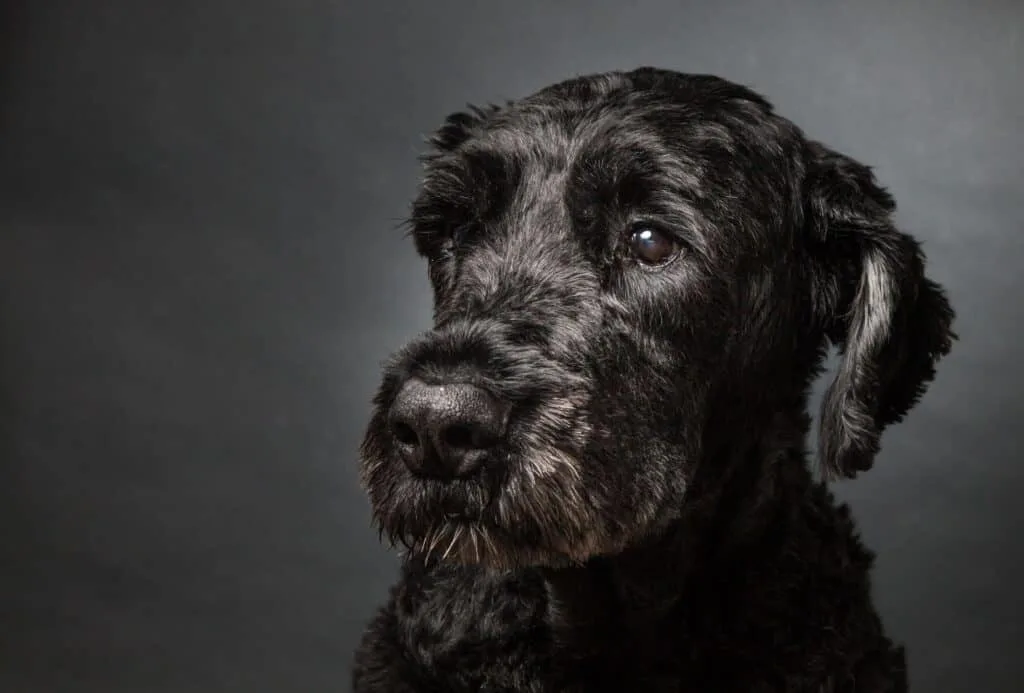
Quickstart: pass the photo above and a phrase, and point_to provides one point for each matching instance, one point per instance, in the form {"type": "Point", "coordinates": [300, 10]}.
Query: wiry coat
{"type": "Point", "coordinates": [648, 520]}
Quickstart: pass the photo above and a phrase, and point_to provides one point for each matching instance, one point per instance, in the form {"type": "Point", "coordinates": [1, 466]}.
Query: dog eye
{"type": "Point", "coordinates": [452, 238]}
{"type": "Point", "coordinates": [651, 246]}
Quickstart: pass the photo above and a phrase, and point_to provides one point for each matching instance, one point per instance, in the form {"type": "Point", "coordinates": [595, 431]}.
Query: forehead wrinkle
{"type": "Point", "coordinates": [675, 175]}
{"type": "Point", "coordinates": [539, 199]}
{"type": "Point", "coordinates": [618, 129]}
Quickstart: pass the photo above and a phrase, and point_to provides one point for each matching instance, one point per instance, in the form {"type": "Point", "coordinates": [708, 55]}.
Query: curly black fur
{"type": "Point", "coordinates": [649, 520]}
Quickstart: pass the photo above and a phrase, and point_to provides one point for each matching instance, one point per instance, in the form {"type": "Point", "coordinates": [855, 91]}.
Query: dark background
{"type": "Point", "coordinates": [199, 274]}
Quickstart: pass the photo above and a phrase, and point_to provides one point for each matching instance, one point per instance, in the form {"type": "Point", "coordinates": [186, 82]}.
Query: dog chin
{"type": "Point", "coordinates": [457, 541]}
{"type": "Point", "coordinates": [481, 550]}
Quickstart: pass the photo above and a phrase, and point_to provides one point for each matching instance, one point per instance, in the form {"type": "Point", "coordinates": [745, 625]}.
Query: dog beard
{"type": "Point", "coordinates": [537, 514]}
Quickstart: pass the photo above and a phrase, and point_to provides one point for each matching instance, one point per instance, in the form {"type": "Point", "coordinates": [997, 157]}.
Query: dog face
{"type": "Point", "coordinates": [631, 273]}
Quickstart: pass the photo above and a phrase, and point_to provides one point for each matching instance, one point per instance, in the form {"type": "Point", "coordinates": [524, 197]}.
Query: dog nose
{"type": "Point", "coordinates": [445, 431]}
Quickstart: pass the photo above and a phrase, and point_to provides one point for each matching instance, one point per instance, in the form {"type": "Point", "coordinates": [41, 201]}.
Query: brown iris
{"type": "Point", "coordinates": [652, 247]}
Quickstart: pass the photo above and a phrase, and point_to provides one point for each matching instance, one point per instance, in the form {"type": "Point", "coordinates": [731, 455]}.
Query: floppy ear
{"type": "Point", "coordinates": [890, 322]}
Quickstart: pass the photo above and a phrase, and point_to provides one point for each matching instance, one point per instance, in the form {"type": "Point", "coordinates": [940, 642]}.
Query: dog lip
{"type": "Point", "coordinates": [456, 512]}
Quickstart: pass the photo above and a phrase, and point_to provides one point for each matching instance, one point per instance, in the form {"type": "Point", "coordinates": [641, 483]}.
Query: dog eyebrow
{"type": "Point", "coordinates": [611, 177]}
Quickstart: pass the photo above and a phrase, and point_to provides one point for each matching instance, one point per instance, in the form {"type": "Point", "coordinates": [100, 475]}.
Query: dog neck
{"type": "Point", "coordinates": [742, 494]}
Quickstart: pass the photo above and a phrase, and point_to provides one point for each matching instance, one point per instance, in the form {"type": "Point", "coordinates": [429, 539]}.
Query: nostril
{"type": "Point", "coordinates": [469, 436]}
{"type": "Point", "coordinates": [404, 433]}
{"type": "Point", "coordinates": [459, 436]}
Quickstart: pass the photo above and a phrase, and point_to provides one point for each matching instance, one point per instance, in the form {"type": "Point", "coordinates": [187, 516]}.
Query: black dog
{"type": "Point", "coordinates": [596, 460]}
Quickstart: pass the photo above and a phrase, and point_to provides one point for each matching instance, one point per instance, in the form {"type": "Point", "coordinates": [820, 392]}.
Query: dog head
{"type": "Point", "coordinates": [631, 271]}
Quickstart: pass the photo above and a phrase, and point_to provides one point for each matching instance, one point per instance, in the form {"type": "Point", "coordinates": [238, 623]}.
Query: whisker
{"type": "Point", "coordinates": [476, 546]}
{"type": "Point", "coordinates": [455, 538]}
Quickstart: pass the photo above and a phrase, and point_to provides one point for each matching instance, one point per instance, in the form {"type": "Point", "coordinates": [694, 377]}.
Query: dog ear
{"type": "Point", "coordinates": [872, 298]}
{"type": "Point", "coordinates": [459, 126]}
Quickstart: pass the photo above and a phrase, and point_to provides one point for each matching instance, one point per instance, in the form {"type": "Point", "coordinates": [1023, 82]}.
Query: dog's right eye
{"type": "Point", "coordinates": [450, 240]}
{"type": "Point", "coordinates": [652, 247]}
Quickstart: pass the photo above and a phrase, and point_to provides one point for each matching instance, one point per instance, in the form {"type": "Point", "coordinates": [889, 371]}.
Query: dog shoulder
{"type": "Point", "coordinates": [821, 579]}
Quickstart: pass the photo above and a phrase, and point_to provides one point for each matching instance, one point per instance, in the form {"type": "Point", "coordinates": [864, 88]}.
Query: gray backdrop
{"type": "Point", "coordinates": [199, 274]}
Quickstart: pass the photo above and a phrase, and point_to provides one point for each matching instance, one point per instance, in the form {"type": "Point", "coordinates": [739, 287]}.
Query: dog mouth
{"type": "Point", "coordinates": [523, 515]}
{"type": "Point", "coordinates": [457, 511]}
